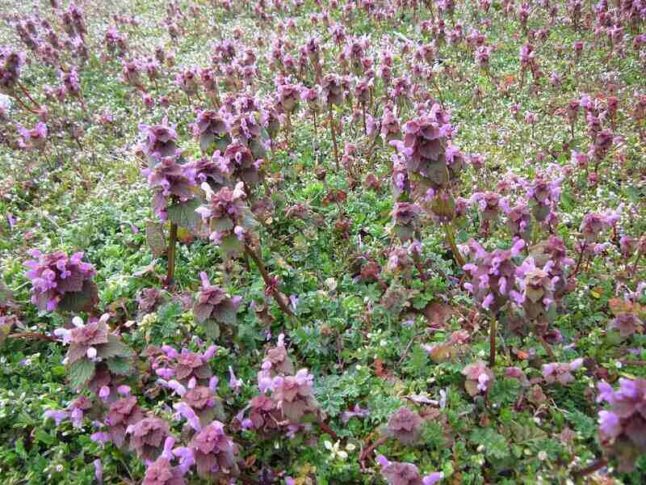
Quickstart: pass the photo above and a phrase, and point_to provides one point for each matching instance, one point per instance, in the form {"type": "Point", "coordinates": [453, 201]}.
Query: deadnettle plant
{"type": "Point", "coordinates": [11, 63]}
{"type": "Point", "coordinates": [491, 275]}
{"type": "Point", "coordinates": [214, 306]}
{"type": "Point", "coordinates": [214, 453]}
{"type": "Point", "coordinates": [172, 182]}
{"type": "Point", "coordinates": [535, 290]}
{"type": "Point", "coordinates": [242, 164]}
{"type": "Point", "coordinates": [89, 345]}
{"type": "Point", "coordinates": [163, 472]}
{"type": "Point", "coordinates": [622, 428]}
{"type": "Point", "coordinates": [211, 129]}
{"type": "Point", "coordinates": [399, 473]}
{"type": "Point", "coordinates": [147, 437]}
{"type": "Point", "coordinates": [294, 396]}
{"type": "Point", "coordinates": [429, 153]}
{"type": "Point", "coordinates": [123, 413]}
{"type": "Point", "coordinates": [405, 220]}
{"type": "Point", "coordinates": [561, 372]}
{"type": "Point", "coordinates": [479, 378]}
{"type": "Point", "coordinates": [228, 217]}
{"type": "Point", "coordinates": [627, 324]}
{"type": "Point", "coordinates": [405, 426]}
{"type": "Point", "coordinates": [160, 141]}
{"type": "Point", "coordinates": [61, 282]}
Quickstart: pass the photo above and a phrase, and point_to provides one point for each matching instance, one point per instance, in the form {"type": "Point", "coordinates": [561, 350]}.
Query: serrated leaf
{"type": "Point", "coordinates": [79, 301]}
{"type": "Point", "coordinates": [183, 214]}
{"type": "Point", "coordinates": [495, 445]}
{"type": "Point", "coordinates": [114, 348]}
{"type": "Point", "coordinates": [119, 365]}
{"type": "Point", "coordinates": [230, 246]}
{"type": "Point", "coordinates": [80, 372]}
{"type": "Point", "coordinates": [155, 238]}
{"type": "Point", "coordinates": [212, 329]}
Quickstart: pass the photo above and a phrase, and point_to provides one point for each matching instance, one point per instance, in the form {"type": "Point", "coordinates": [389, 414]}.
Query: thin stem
{"type": "Point", "coordinates": [334, 142]}
{"type": "Point", "coordinates": [450, 239]}
{"type": "Point", "coordinates": [171, 254]}
{"type": "Point", "coordinates": [24, 90]}
{"type": "Point", "coordinates": [279, 297]}
{"type": "Point", "coordinates": [32, 336]}
{"type": "Point", "coordinates": [492, 343]}
{"type": "Point", "coordinates": [578, 263]}
{"type": "Point", "coordinates": [596, 465]}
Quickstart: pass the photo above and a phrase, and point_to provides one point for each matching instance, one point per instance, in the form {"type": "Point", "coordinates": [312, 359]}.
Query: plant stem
{"type": "Point", "coordinates": [32, 336]}
{"type": "Point", "coordinates": [171, 251]}
{"type": "Point", "coordinates": [334, 142]}
{"type": "Point", "coordinates": [279, 297]}
{"type": "Point", "coordinates": [492, 343]}
{"type": "Point", "coordinates": [450, 239]}
{"type": "Point", "coordinates": [596, 465]}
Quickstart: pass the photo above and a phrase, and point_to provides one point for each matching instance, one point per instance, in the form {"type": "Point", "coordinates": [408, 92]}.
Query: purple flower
{"type": "Point", "coordinates": [622, 428]}
{"type": "Point", "coordinates": [356, 412]}
{"type": "Point", "coordinates": [627, 324]}
{"type": "Point", "coordinates": [214, 303]}
{"type": "Point", "coordinates": [214, 452]}
{"type": "Point", "coordinates": [561, 372]}
{"type": "Point", "coordinates": [397, 473]}
{"type": "Point", "coordinates": [171, 182]}
{"type": "Point", "coordinates": [294, 395]}
{"type": "Point", "coordinates": [160, 141]}
{"type": "Point", "coordinates": [479, 378]}
{"type": "Point", "coordinates": [11, 63]}
{"type": "Point", "coordinates": [55, 275]}
{"type": "Point", "coordinates": [209, 128]}
{"type": "Point", "coordinates": [405, 219]}
{"type": "Point", "coordinates": [405, 425]}
{"type": "Point", "coordinates": [123, 413]}
{"type": "Point", "coordinates": [147, 436]}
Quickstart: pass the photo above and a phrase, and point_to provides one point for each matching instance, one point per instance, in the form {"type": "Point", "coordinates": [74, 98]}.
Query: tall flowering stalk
{"type": "Point", "coordinates": [491, 280]}
{"type": "Point", "coordinates": [433, 163]}
{"type": "Point", "coordinates": [231, 224]}
{"type": "Point", "coordinates": [173, 182]}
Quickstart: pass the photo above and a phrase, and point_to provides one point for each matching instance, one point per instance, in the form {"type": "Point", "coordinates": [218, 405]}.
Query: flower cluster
{"type": "Point", "coordinates": [405, 425]}
{"type": "Point", "coordinates": [211, 128]}
{"type": "Point", "coordinates": [428, 150]}
{"type": "Point", "coordinates": [168, 363]}
{"type": "Point", "coordinates": [399, 473]}
{"type": "Point", "coordinates": [492, 274]}
{"type": "Point", "coordinates": [479, 378]}
{"type": "Point", "coordinates": [214, 453]}
{"type": "Point", "coordinates": [561, 372]}
{"type": "Point", "coordinates": [56, 277]}
{"type": "Point", "coordinates": [11, 63]}
{"type": "Point", "coordinates": [171, 182]}
{"type": "Point", "coordinates": [405, 220]}
{"type": "Point", "coordinates": [622, 428]}
{"type": "Point", "coordinates": [160, 141]}
{"type": "Point", "coordinates": [214, 303]}
{"type": "Point", "coordinates": [147, 437]}
{"type": "Point", "coordinates": [228, 217]}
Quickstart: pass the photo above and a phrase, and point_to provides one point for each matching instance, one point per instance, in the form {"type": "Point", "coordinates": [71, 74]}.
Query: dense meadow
{"type": "Point", "coordinates": [322, 242]}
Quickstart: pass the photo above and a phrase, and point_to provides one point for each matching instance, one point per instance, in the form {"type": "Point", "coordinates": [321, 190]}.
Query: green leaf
{"type": "Point", "coordinates": [114, 348]}
{"type": "Point", "coordinates": [156, 238]}
{"type": "Point", "coordinates": [119, 365]}
{"type": "Point", "coordinates": [79, 301]}
{"type": "Point", "coordinates": [495, 445]}
{"type": "Point", "coordinates": [81, 372]}
{"type": "Point", "coordinates": [212, 328]}
{"type": "Point", "coordinates": [183, 214]}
